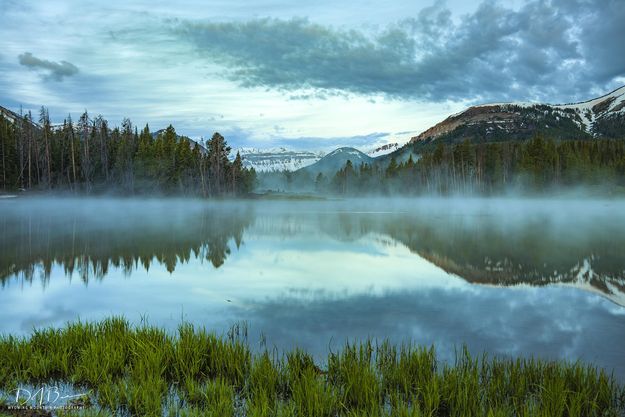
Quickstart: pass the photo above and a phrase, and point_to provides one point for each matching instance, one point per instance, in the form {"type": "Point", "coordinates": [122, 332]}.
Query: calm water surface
{"type": "Point", "coordinates": [509, 277]}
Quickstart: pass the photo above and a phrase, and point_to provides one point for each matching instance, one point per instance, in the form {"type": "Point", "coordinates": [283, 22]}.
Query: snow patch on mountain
{"type": "Point", "coordinates": [510, 118]}
{"type": "Point", "coordinates": [283, 158]}
{"type": "Point", "coordinates": [345, 152]}
{"type": "Point", "coordinates": [588, 111]}
{"type": "Point", "coordinates": [9, 115]}
{"type": "Point", "coordinates": [383, 149]}
{"type": "Point", "coordinates": [591, 110]}
{"type": "Point", "coordinates": [388, 143]}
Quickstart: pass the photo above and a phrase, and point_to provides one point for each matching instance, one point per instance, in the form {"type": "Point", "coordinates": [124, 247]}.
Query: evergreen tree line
{"type": "Point", "coordinates": [88, 156]}
{"type": "Point", "coordinates": [536, 165]}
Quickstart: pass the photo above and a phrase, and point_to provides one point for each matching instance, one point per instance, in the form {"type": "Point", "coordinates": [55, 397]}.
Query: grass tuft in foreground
{"type": "Point", "coordinates": [145, 371]}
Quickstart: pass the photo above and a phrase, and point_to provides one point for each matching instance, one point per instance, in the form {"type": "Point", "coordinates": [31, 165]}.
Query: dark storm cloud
{"type": "Point", "coordinates": [545, 50]}
{"type": "Point", "coordinates": [602, 31]}
{"type": "Point", "coordinates": [54, 70]}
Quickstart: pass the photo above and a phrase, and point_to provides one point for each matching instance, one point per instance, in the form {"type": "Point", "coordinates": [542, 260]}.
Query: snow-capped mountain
{"type": "Point", "coordinates": [600, 117]}
{"type": "Point", "coordinates": [284, 158]}
{"type": "Point", "coordinates": [276, 159]}
{"type": "Point", "coordinates": [11, 116]}
{"type": "Point", "coordinates": [14, 118]}
{"type": "Point", "coordinates": [387, 143]}
{"type": "Point", "coordinates": [337, 159]}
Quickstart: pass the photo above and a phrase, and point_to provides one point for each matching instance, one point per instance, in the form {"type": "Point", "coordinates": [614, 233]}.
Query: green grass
{"type": "Point", "coordinates": [146, 371]}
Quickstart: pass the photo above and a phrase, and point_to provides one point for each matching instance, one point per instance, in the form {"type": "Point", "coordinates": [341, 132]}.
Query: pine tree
{"type": "Point", "coordinates": [391, 170]}
{"type": "Point", "coordinates": [320, 182]}
{"type": "Point", "coordinates": [235, 174]}
{"type": "Point", "coordinates": [218, 151]}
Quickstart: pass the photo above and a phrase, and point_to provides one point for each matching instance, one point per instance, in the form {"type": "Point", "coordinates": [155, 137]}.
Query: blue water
{"type": "Point", "coordinates": [318, 274]}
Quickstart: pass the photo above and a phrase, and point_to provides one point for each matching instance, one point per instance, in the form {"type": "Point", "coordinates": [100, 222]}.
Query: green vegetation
{"type": "Point", "coordinates": [91, 157]}
{"type": "Point", "coordinates": [537, 165]}
{"type": "Point", "coordinates": [146, 371]}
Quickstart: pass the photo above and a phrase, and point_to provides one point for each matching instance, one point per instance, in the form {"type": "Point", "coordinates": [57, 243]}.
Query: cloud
{"type": "Point", "coordinates": [55, 70]}
{"type": "Point", "coordinates": [244, 138]}
{"type": "Point", "coordinates": [601, 32]}
{"type": "Point", "coordinates": [544, 50]}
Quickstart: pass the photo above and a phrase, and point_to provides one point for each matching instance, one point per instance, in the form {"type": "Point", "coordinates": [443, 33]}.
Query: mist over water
{"type": "Point", "coordinates": [506, 276]}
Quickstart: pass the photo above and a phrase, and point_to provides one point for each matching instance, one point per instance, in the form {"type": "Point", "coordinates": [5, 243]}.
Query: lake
{"type": "Point", "coordinates": [508, 277]}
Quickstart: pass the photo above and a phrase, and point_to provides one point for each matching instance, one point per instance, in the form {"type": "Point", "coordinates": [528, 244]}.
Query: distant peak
{"type": "Point", "coordinates": [345, 149]}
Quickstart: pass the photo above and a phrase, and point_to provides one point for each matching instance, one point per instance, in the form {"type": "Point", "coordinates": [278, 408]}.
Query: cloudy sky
{"type": "Point", "coordinates": [303, 74]}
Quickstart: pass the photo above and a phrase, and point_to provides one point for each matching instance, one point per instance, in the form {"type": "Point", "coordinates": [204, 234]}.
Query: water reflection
{"type": "Point", "coordinates": [554, 323]}
{"type": "Point", "coordinates": [497, 247]}
{"type": "Point", "coordinates": [89, 237]}
{"type": "Point", "coordinates": [500, 243]}
{"type": "Point", "coordinates": [305, 274]}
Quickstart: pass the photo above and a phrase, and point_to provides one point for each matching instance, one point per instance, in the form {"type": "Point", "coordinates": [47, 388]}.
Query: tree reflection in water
{"type": "Point", "coordinates": [501, 246]}
{"type": "Point", "coordinates": [90, 238]}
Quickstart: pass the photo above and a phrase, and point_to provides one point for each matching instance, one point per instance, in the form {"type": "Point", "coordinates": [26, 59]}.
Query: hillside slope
{"type": "Point", "coordinates": [600, 117]}
{"type": "Point", "coordinates": [335, 160]}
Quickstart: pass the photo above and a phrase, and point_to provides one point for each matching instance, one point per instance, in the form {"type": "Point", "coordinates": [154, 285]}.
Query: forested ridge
{"type": "Point", "coordinates": [89, 156]}
{"type": "Point", "coordinates": [536, 165]}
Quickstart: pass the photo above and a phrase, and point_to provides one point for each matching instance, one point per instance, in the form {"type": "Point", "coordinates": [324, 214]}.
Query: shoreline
{"type": "Point", "coordinates": [112, 366]}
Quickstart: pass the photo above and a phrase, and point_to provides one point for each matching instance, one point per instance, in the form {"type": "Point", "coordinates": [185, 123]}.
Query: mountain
{"type": "Point", "coordinates": [382, 149]}
{"type": "Point", "coordinates": [335, 160]}
{"type": "Point", "coordinates": [600, 117]}
{"type": "Point", "coordinates": [11, 116]}
{"type": "Point", "coordinates": [284, 159]}
{"type": "Point", "coordinates": [276, 159]}
{"type": "Point", "coordinates": [14, 118]}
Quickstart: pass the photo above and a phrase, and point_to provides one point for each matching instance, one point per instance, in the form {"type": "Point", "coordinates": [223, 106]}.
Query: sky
{"type": "Point", "coordinates": [306, 75]}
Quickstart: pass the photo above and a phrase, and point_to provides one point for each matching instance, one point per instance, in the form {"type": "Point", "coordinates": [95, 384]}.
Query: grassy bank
{"type": "Point", "coordinates": [145, 371]}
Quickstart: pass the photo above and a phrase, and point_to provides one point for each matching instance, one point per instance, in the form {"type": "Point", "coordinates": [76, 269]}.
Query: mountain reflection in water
{"type": "Point", "coordinates": [497, 245]}
{"type": "Point", "coordinates": [315, 274]}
